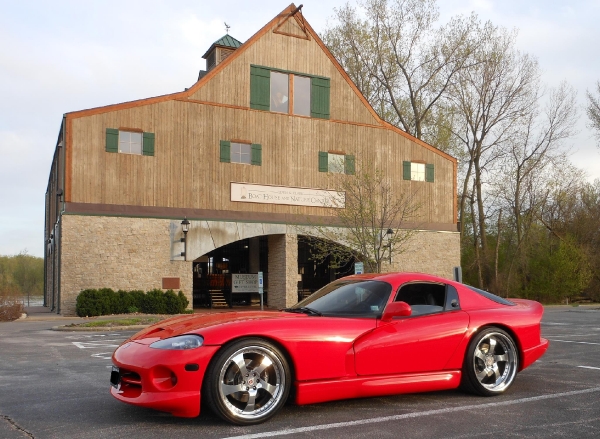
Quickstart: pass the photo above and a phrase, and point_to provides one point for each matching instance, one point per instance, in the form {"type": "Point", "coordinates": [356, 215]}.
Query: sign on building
{"type": "Point", "coordinates": [244, 283]}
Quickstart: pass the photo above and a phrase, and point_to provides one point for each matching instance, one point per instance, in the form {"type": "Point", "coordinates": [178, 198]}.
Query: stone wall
{"type": "Point", "coordinates": [136, 253]}
{"type": "Point", "coordinates": [428, 252]}
{"type": "Point", "coordinates": [118, 253]}
{"type": "Point", "coordinates": [283, 270]}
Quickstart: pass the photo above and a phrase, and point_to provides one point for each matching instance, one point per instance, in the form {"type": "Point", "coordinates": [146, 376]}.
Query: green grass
{"type": "Point", "coordinates": [120, 322]}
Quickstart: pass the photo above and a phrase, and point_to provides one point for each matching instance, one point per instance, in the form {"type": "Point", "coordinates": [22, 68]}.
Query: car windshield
{"type": "Point", "coordinates": [352, 298]}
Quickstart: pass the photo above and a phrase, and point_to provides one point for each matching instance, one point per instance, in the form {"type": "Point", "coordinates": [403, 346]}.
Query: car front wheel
{"type": "Point", "coordinates": [491, 362]}
{"type": "Point", "coordinates": [248, 381]}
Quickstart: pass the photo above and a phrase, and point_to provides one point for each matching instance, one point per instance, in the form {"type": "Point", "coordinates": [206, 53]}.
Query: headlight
{"type": "Point", "coordinates": [180, 343]}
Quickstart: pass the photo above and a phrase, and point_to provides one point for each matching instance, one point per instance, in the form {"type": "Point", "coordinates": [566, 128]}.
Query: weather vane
{"type": "Point", "coordinates": [227, 27]}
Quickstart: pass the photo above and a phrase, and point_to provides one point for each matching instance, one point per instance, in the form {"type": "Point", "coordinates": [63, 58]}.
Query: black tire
{"type": "Point", "coordinates": [247, 382]}
{"type": "Point", "coordinates": [491, 362]}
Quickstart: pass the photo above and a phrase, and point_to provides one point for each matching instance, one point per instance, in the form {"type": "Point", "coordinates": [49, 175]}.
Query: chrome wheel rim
{"type": "Point", "coordinates": [495, 361]}
{"type": "Point", "coordinates": [251, 382]}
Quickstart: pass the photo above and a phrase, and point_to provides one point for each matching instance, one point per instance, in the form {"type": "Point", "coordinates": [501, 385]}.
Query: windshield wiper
{"type": "Point", "coordinates": [304, 310]}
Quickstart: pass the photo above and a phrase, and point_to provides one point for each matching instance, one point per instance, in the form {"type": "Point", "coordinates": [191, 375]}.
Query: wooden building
{"type": "Point", "coordinates": [272, 116]}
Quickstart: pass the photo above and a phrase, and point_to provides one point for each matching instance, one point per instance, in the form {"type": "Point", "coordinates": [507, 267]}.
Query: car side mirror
{"type": "Point", "coordinates": [396, 309]}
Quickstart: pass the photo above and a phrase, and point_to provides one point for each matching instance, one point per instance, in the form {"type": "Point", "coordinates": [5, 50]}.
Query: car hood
{"type": "Point", "coordinates": [196, 323]}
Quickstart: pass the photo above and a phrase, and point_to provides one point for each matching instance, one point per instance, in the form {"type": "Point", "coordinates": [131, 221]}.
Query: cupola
{"type": "Point", "coordinates": [219, 50]}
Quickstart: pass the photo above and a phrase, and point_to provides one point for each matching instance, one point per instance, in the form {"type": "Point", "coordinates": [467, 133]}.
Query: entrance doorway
{"type": "Point", "coordinates": [212, 273]}
{"type": "Point", "coordinates": [315, 275]}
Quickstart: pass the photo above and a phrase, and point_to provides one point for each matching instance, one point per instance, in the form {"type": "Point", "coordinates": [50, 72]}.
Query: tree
{"type": "Point", "coordinates": [493, 95]}
{"type": "Point", "coordinates": [524, 176]}
{"type": "Point", "coordinates": [401, 62]}
{"type": "Point", "coordinates": [368, 217]}
{"type": "Point", "coordinates": [593, 109]}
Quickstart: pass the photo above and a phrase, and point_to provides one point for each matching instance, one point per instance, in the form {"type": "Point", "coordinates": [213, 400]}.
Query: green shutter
{"type": "Point", "coordinates": [429, 173]}
{"type": "Point", "coordinates": [256, 157]}
{"type": "Point", "coordinates": [112, 140]}
{"type": "Point", "coordinates": [349, 165]}
{"type": "Point", "coordinates": [323, 161]}
{"type": "Point", "coordinates": [260, 88]}
{"type": "Point", "coordinates": [225, 151]}
{"type": "Point", "coordinates": [406, 170]}
{"type": "Point", "coordinates": [148, 144]}
{"type": "Point", "coordinates": [319, 99]}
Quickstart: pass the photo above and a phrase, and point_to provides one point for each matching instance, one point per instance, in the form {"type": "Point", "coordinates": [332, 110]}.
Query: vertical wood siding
{"type": "Point", "coordinates": [232, 85]}
{"type": "Point", "coordinates": [186, 171]}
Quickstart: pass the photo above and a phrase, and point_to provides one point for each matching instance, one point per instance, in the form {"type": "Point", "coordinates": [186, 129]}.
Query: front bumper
{"type": "Point", "coordinates": [165, 380]}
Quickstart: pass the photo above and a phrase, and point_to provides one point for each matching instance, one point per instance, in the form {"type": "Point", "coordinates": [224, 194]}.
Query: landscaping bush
{"type": "Point", "coordinates": [154, 302]}
{"type": "Point", "coordinates": [172, 303]}
{"type": "Point", "coordinates": [11, 306]}
{"type": "Point", "coordinates": [91, 303]}
{"type": "Point", "coordinates": [183, 300]}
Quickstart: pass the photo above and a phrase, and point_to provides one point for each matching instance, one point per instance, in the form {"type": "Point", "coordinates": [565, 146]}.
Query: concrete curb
{"type": "Point", "coordinates": [67, 328]}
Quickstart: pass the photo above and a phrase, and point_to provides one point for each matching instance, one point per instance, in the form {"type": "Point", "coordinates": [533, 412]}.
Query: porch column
{"type": "Point", "coordinates": [283, 270]}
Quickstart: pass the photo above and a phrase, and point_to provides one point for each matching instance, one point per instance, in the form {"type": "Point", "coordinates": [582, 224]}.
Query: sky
{"type": "Point", "coordinates": [63, 56]}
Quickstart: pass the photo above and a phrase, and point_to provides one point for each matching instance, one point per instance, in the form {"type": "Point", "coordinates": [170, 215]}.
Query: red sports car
{"type": "Point", "coordinates": [360, 336]}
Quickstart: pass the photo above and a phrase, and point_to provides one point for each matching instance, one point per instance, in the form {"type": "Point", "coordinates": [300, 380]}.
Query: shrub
{"type": "Point", "coordinates": [137, 299]}
{"type": "Point", "coordinates": [154, 302]}
{"type": "Point", "coordinates": [91, 303]}
{"type": "Point", "coordinates": [184, 301]}
{"type": "Point", "coordinates": [11, 307]}
{"type": "Point", "coordinates": [172, 303]}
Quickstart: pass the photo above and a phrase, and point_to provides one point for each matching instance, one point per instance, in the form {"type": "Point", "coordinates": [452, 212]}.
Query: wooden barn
{"type": "Point", "coordinates": [269, 118]}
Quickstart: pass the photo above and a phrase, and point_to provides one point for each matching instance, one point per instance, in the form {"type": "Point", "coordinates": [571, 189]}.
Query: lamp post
{"type": "Point", "coordinates": [185, 225]}
{"type": "Point", "coordinates": [389, 234]}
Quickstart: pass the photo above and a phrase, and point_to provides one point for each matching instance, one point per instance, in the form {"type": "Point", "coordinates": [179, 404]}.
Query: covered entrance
{"type": "Point", "coordinates": [213, 273]}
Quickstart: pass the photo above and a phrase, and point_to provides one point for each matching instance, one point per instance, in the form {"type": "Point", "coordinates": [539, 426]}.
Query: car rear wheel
{"type": "Point", "coordinates": [248, 381]}
{"type": "Point", "coordinates": [491, 362]}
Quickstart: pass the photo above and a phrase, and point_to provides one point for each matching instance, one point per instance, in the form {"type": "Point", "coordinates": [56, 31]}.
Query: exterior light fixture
{"type": "Point", "coordinates": [389, 234]}
{"type": "Point", "coordinates": [185, 226]}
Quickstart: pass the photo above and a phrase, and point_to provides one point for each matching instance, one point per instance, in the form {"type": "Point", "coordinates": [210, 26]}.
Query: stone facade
{"type": "Point", "coordinates": [118, 253]}
{"type": "Point", "coordinates": [429, 252]}
{"type": "Point", "coordinates": [283, 270]}
{"type": "Point", "coordinates": [137, 253]}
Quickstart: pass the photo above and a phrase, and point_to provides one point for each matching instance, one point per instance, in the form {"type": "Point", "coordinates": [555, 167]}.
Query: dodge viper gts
{"type": "Point", "coordinates": [360, 336]}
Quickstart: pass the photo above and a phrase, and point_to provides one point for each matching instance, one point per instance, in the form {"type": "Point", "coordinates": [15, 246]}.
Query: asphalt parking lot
{"type": "Point", "coordinates": [55, 385]}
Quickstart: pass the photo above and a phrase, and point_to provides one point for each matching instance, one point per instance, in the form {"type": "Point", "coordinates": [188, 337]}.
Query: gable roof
{"type": "Point", "coordinates": [276, 22]}
{"type": "Point", "coordinates": [225, 41]}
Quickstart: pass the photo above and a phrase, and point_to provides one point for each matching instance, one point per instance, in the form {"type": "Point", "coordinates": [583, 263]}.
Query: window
{"type": "Point", "coordinates": [418, 171]}
{"type": "Point", "coordinates": [280, 92]}
{"type": "Point", "coordinates": [336, 162]}
{"type": "Point", "coordinates": [273, 90]}
{"type": "Point", "coordinates": [348, 298]}
{"type": "Point", "coordinates": [301, 95]}
{"type": "Point", "coordinates": [424, 298]}
{"type": "Point", "coordinates": [240, 152]}
{"type": "Point", "coordinates": [129, 141]}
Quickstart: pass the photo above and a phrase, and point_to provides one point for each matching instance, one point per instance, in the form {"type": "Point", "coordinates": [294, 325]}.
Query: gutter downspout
{"type": "Point", "coordinates": [62, 207]}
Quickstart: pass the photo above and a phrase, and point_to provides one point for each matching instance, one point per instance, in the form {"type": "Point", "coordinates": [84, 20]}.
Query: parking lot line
{"type": "Point", "coordinates": [573, 341]}
{"type": "Point", "coordinates": [589, 367]}
{"type": "Point", "coordinates": [413, 415]}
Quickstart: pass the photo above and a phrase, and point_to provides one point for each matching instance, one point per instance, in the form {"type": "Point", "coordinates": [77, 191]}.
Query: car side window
{"type": "Point", "coordinates": [424, 297]}
{"type": "Point", "coordinates": [452, 302]}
